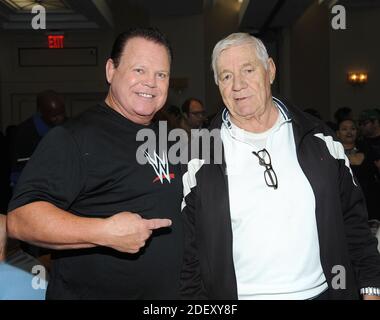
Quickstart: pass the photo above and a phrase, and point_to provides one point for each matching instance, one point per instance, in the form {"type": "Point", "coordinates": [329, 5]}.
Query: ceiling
{"type": "Point", "coordinates": [88, 14]}
{"type": "Point", "coordinates": [27, 5]}
{"type": "Point", "coordinates": [257, 16]}
{"type": "Point", "coordinates": [261, 16]}
{"type": "Point", "coordinates": [169, 8]}
{"type": "Point", "coordinates": [359, 3]}
{"type": "Point", "coordinates": [61, 14]}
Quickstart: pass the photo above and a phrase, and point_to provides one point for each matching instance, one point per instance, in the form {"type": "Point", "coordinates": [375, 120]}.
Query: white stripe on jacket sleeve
{"type": "Point", "coordinates": [189, 181]}
{"type": "Point", "coordinates": [337, 151]}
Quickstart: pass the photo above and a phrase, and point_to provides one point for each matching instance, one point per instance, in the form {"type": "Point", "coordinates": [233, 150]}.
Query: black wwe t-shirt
{"type": "Point", "coordinates": [89, 168]}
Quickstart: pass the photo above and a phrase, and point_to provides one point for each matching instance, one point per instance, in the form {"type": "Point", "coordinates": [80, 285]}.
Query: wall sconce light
{"type": "Point", "coordinates": [357, 77]}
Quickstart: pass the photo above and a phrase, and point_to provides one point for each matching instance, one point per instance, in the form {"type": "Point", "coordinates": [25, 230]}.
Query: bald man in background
{"type": "Point", "coordinates": [50, 113]}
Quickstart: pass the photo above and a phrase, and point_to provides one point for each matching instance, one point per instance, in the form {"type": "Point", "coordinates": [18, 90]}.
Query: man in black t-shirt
{"type": "Point", "coordinates": [115, 223]}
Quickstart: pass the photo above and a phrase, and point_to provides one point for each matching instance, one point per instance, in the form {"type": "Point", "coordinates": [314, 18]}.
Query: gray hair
{"type": "Point", "coordinates": [237, 39]}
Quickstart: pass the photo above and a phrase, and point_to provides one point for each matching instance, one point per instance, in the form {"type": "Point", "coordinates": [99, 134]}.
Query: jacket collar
{"type": "Point", "coordinates": [302, 123]}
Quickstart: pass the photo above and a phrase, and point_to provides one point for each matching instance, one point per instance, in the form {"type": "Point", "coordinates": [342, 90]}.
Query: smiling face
{"type": "Point", "coordinates": [139, 84]}
{"type": "Point", "coordinates": [244, 83]}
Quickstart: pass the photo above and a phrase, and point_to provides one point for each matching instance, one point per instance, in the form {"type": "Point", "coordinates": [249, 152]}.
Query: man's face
{"type": "Point", "coordinates": [139, 85]}
{"type": "Point", "coordinates": [347, 132]}
{"type": "Point", "coordinates": [367, 127]}
{"type": "Point", "coordinates": [53, 111]}
{"type": "Point", "coordinates": [243, 81]}
{"type": "Point", "coordinates": [196, 116]}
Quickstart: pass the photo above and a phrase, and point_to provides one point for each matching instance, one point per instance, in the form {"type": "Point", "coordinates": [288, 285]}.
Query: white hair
{"type": "Point", "coordinates": [237, 39]}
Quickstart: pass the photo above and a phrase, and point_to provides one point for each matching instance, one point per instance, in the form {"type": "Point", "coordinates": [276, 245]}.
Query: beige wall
{"type": "Point", "coordinates": [128, 14]}
{"type": "Point", "coordinates": [219, 20]}
{"type": "Point", "coordinates": [313, 60]}
{"type": "Point", "coordinates": [187, 38]}
{"type": "Point", "coordinates": [193, 38]}
{"type": "Point", "coordinates": [317, 59]}
{"type": "Point", "coordinates": [81, 86]}
{"type": "Point", "coordinates": [356, 48]}
{"type": "Point", "coordinates": [309, 60]}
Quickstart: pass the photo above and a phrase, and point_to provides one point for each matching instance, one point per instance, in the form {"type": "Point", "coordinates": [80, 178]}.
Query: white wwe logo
{"type": "Point", "coordinates": [160, 166]}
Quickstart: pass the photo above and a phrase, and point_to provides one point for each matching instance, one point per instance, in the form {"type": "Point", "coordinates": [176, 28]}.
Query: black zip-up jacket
{"type": "Point", "coordinates": [341, 215]}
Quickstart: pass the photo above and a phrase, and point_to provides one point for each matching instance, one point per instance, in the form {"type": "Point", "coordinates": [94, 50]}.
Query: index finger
{"type": "Point", "coordinates": [153, 224]}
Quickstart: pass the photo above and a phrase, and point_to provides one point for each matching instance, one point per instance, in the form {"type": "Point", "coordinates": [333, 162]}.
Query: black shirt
{"type": "Point", "coordinates": [370, 176]}
{"type": "Point", "coordinates": [89, 168]}
{"type": "Point", "coordinates": [4, 175]}
{"type": "Point", "coordinates": [25, 142]}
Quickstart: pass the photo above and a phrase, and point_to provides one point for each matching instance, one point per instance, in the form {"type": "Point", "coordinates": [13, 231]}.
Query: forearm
{"type": "Point", "coordinates": [45, 225]}
{"type": "Point", "coordinates": [56, 246]}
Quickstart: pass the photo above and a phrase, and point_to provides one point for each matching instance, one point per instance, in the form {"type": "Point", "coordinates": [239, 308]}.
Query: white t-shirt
{"type": "Point", "coordinates": [275, 239]}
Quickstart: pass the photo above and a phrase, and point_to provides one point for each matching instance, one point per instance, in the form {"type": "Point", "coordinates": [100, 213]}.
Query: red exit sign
{"type": "Point", "coordinates": [56, 41]}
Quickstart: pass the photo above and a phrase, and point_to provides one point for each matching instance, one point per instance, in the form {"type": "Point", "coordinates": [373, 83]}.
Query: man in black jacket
{"type": "Point", "coordinates": [281, 217]}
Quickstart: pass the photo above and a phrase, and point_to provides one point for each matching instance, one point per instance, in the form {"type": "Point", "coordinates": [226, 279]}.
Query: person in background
{"type": "Point", "coordinates": [50, 113]}
{"type": "Point", "coordinates": [343, 113]}
{"type": "Point", "coordinates": [347, 133]}
{"type": "Point", "coordinates": [194, 114]}
{"type": "Point", "coordinates": [171, 114]}
{"type": "Point", "coordinates": [174, 115]}
{"type": "Point", "coordinates": [364, 170]}
{"type": "Point", "coordinates": [369, 125]}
